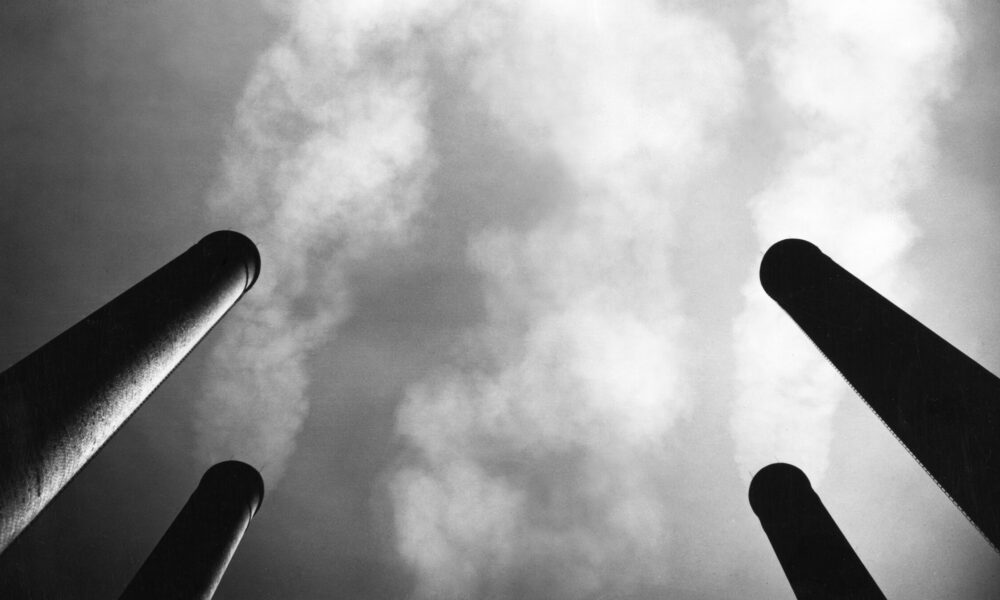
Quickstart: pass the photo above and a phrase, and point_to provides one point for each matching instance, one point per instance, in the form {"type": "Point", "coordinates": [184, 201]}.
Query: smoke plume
{"type": "Point", "coordinates": [535, 465]}
{"type": "Point", "coordinates": [859, 95]}
{"type": "Point", "coordinates": [327, 161]}
{"type": "Point", "coordinates": [537, 469]}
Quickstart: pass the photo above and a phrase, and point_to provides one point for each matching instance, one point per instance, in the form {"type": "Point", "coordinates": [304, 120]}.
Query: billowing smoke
{"type": "Point", "coordinates": [328, 160]}
{"type": "Point", "coordinates": [859, 93]}
{"type": "Point", "coordinates": [538, 466]}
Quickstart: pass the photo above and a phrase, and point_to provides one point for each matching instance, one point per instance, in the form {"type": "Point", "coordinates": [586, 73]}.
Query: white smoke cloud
{"type": "Point", "coordinates": [538, 464]}
{"type": "Point", "coordinates": [327, 161]}
{"type": "Point", "coordinates": [860, 81]}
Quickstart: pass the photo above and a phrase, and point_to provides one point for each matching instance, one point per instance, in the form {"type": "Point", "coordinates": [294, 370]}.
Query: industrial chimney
{"type": "Point", "coordinates": [61, 403]}
{"type": "Point", "coordinates": [942, 405]}
{"type": "Point", "coordinates": [193, 554]}
{"type": "Point", "coordinates": [816, 557]}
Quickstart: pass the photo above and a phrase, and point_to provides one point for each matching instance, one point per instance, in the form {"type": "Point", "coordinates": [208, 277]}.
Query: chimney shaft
{"type": "Point", "coordinates": [193, 554]}
{"type": "Point", "coordinates": [942, 405]}
{"type": "Point", "coordinates": [61, 403]}
{"type": "Point", "coordinates": [816, 557]}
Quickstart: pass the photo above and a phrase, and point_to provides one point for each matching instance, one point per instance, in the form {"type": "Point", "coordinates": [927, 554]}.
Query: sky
{"type": "Point", "coordinates": [508, 339]}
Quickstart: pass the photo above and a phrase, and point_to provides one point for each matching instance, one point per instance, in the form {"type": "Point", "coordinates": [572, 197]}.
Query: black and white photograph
{"type": "Point", "coordinates": [499, 299]}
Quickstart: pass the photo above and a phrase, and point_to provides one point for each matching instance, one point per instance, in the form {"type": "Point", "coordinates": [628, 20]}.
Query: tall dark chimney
{"type": "Point", "coordinates": [193, 554]}
{"type": "Point", "coordinates": [61, 403]}
{"type": "Point", "coordinates": [942, 405]}
{"type": "Point", "coordinates": [816, 557]}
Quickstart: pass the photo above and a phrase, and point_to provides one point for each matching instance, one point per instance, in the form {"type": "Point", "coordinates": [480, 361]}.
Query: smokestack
{"type": "Point", "coordinates": [61, 403]}
{"type": "Point", "coordinates": [942, 405]}
{"type": "Point", "coordinates": [193, 554]}
{"type": "Point", "coordinates": [816, 557]}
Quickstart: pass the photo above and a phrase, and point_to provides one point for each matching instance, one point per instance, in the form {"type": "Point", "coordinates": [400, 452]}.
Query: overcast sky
{"type": "Point", "coordinates": [508, 340]}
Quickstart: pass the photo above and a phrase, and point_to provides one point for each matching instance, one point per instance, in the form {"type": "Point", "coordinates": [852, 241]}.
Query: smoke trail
{"type": "Point", "coordinates": [859, 81]}
{"type": "Point", "coordinates": [328, 160]}
{"type": "Point", "coordinates": [537, 464]}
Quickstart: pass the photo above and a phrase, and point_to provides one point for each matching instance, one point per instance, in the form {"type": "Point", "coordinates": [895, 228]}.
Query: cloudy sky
{"type": "Point", "coordinates": [508, 340]}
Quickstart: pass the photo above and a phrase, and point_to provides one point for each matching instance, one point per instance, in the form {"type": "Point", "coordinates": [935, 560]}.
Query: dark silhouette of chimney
{"type": "Point", "coordinates": [942, 405]}
{"type": "Point", "coordinates": [61, 403]}
{"type": "Point", "coordinates": [816, 557]}
{"type": "Point", "coordinates": [189, 561]}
